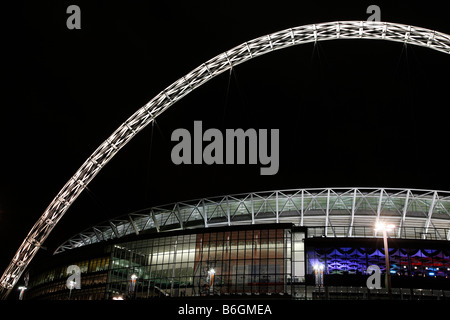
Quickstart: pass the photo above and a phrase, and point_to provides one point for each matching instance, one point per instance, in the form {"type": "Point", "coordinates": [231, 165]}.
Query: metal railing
{"type": "Point", "coordinates": [419, 233]}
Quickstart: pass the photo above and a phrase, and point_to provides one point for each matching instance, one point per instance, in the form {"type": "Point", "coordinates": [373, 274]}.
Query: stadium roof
{"type": "Point", "coordinates": [338, 212]}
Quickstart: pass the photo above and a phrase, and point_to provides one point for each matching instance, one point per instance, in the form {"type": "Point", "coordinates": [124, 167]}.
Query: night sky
{"type": "Point", "coordinates": [351, 113]}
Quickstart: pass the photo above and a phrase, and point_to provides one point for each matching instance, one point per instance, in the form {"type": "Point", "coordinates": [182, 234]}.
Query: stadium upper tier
{"type": "Point", "coordinates": [333, 212]}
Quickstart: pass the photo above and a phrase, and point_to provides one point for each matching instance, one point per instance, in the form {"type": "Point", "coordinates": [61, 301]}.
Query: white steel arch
{"type": "Point", "coordinates": [183, 86]}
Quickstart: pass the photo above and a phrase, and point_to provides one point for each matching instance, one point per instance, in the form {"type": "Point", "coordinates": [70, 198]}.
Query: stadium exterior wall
{"type": "Point", "coordinates": [260, 244]}
{"type": "Point", "coordinates": [270, 260]}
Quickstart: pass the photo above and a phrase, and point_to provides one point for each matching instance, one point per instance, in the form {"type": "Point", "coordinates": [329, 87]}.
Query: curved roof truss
{"type": "Point", "coordinates": [334, 212]}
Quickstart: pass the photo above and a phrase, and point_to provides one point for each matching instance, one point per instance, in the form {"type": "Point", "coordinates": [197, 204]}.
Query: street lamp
{"type": "Point", "coordinates": [381, 226]}
{"type": "Point", "coordinates": [71, 285]}
{"type": "Point", "coordinates": [318, 276]}
{"type": "Point", "coordinates": [211, 273]}
{"type": "Point", "coordinates": [133, 285]}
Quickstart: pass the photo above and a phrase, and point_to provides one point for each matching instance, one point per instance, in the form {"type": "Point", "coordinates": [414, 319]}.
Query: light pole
{"type": "Point", "coordinates": [71, 285]}
{"type": "Point", "coordinates": [318, 275]}
{"type": "Point", "coordinates": [380, 226]}
{"type": "Point", "coordinates": [211, 274]}
{"type": "Point", "coordinates": [133, 285]}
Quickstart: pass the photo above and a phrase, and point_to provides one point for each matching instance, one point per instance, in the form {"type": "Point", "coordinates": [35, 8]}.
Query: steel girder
{"type": "Point", "coordinates": [183, 86]}
{"type": "Point", "coordinates": [344, 212]}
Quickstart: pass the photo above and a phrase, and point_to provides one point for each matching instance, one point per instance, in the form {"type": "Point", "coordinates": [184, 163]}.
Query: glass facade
{"type": "Point", "coordinates": [51, 284]}
{"type": "Point", "coordinates": [403, 261]}
{"type": "Point", "coordinates": [253, 260]}
{"type": "Point", "coordinates": [256, 261]}
{"type": "Point", "coordinates": [418, 269]}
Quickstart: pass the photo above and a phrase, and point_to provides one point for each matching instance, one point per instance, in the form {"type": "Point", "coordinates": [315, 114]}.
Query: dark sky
{"type": "Point", "coordinates": [351, 113]}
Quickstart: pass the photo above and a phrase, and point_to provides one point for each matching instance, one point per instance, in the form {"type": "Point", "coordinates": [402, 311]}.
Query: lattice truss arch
{"type": "Point", "coordinates": [183, 86]}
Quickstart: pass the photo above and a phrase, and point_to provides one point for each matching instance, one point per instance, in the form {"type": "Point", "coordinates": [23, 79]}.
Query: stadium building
{"type": "Point", "coordinates": [293, 244]}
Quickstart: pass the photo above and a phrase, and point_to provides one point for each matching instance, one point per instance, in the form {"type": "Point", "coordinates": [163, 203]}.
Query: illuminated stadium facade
{"type": "Point", "coordinates": [261, 244]}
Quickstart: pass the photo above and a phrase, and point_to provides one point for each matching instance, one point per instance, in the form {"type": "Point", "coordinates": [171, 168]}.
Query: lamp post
{"type": "Point", "coordinates": [71, 285]}
{"type": "Point", "coordinates": [211, 274]}
{"type": "Point", "coordinates": [133, 285]}
{"type": "Point", "coordinates": [318, 275]}
{"type": "Point", "coordinates": [380, 226]}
